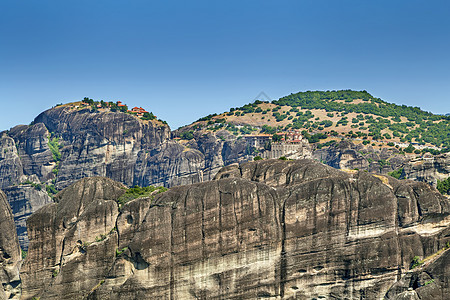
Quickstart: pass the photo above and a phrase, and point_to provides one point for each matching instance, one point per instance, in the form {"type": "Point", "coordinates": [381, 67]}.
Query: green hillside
{"type": "Point", "coordinates": [344, 113]}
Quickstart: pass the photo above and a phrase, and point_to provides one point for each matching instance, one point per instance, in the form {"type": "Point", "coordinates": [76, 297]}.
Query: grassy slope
{"type": "Point", "coordinates": [355, 114]}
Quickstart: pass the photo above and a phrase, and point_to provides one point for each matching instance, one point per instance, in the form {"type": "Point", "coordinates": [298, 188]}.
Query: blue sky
{"type": "Point", "coordinates": [186, 59]}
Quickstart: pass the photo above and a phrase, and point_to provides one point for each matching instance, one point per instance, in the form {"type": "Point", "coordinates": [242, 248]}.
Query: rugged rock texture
{"type": "Point", "coordinates": [24, 200]}
{"type": "Point", "coordinates": [100, 143]}
{"type": "Point", "coordinates": [428, 169]}
{"type": "Point", "coordinates": [104, 143]}
{"type": "Point", "coordinates": [11, 169]}
{"type": "Point", "coordinates": [111, 144]}
{"type": "Point", "coordinates": [33, 149]}
{"type": "Point", "coordinates": [429, 282]}
{"type": "Point", "coordinates": [67, 252]}
{"type": "Point", "coordinates": [279, 229]}
{"type": "Point", "coordinates": [347, 155]}
{"type": "Point", "coordinates": [10, 255]}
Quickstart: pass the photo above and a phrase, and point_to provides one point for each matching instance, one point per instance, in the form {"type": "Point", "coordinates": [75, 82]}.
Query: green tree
{"type": "Point", "coordinates": [276, 137]}
{"type": "Point", "coordinates": [410, 149]}
{"type": "Point", "coordinates": [444, 186]}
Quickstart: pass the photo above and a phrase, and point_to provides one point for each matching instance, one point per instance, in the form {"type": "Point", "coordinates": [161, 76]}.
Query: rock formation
{"type": "Point", "coordinates": [24, 200]}
{"type": "Point", "coordinates": [347, 155]}
{"type": "Point", "coordinates": [10, 255]}
{"type": "Point", "coordinates": [428, 169]}
{"type": "Point", "coordinates": [268, 229]}
{"type": "Point", "coordinates": [68, 253]}
{"type": "Point", "coordinates": [11, 169]}
{"type": "Point", "coordinates": [116, 145]}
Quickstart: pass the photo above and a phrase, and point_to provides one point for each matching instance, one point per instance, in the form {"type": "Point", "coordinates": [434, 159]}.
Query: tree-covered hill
{"type": "Point", "coordinates": [344, 113]}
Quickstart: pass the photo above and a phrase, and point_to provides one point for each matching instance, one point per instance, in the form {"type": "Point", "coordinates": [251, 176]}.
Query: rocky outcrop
{"type": "Point", "coordinates": [428, 169]}
{"type": "Point", "coordinates": [100, 143]}
{"type": "Point", "coordinates": [10, 255]}
{"type": "Point", "coordinates": [68, 143]}
{"type": "Point", "coordinates": [425, 282]}
{"type": "Point", "coordinates": [279, 229]}
{"type": "Point", "coordinates": [111, 144]}
{"type": "Point", "coordinates": [24, 200]}
{"type": "Point", "coordinates": [347, 155]}
{"type": "Point", "coordinates": [35, 155]}
{"type": "Point", "coordinates": [73, 241]}
{"type": "Point", "coordinates": [11, 169]}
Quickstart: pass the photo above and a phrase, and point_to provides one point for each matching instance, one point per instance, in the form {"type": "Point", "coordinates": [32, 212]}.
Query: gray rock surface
{"type": "Point", "coordinates": [279, 229]}
{"type": "Point", "coordinates": [347, 155]}
{"type": "Point", "coordinates": [72, 241]}
{"type": "Point", "coordinates": [429, 169]}
{"type": "Point", "coordinates": [24, 200]}
{"type": "Point", "coordinates": [10, 255]}
{"type": "Point", "coordinates": [11, 169]}
{"type": "Point", "coordinates": [104, 143]}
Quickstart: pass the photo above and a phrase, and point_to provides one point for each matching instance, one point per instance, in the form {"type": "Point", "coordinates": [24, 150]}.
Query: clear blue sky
{"type": "Point", "coordinates": [186, 59]}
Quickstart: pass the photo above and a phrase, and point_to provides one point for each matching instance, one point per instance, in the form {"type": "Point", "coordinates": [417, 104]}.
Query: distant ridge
{"type": "Point", "coordinates": [338, 114]}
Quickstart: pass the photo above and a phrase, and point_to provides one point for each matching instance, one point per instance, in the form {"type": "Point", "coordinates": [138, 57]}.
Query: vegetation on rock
{"type": "Point", "coordinates": [54, 146]}
{"type": "Point", "coordinates": [140, 192]}
{"type": "Point", "coordinates": [354, 114]}
{"type": "Point", "coordinates": [396, 173]}
{"type": "Point", "coordinates": [444, 186]}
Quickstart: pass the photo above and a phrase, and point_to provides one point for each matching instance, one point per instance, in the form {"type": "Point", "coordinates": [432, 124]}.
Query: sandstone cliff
{"type": "Point", "coordinates": [269, 229]}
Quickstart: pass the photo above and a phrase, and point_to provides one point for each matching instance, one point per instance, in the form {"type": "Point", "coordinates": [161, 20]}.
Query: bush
{"type": "Point", "coordinates": [51, 190]}
{"type": "Point", "coordinates": [444, 186]}
{"type": "Point", "coordinates": [415, 262]}
{"type": "Point", "coordinates": [257, 158]}
{"type": "Point", "coordinates": [396, 173]}
{"type": "Point", "coordinates": [54, 146]}
{"type": "Point", "coordinates": [187, 135]}
{"type": "Point", "coordinates": [148, 116]}
{"type": "Point", "coordinates": [140, 192]}
{"type": "Point", "coordinates": [409, 149]}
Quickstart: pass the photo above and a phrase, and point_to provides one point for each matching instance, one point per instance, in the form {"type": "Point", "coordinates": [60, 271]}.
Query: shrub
{"type": "Point", "coordinates": [54, 146]}
{"type": "Point", "coordinates": [396, 173]}
{"type": "Point", "coordinates": [140, 192]}
{"type": "Point", "coordinates": [415, 262]}
{"type": "Point", "coordinates": [409, 149]}
{"type": "Point", "coordinates": [187, 135]}
{"type": "Point", "coordinates": [443, 186]}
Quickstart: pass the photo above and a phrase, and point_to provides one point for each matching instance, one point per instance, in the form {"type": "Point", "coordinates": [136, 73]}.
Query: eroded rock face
{"type": "Point", "coordinates": [100, 143]}
{"type": "Point", "coordinates": [280, 229]}
{"type": "Point", "coordinates": [24, 200]}
{"type": "Point", "coordinates": [347, 155]}
{"type": "Point", "coordinates": [425, 282]}
{"type": "Point", "coordinates": [11, 168]}
{"type": "Point", "coordinates": [72, 241]}
{"type": "Point", "coordinates": [10, 255]}
{"type": "Point", "coordinates": [104, 143]}
{"type": "Point", "coordinates": [111, 144]}
{"type": "Point", "coordinates": [35, 155]}
{"type": "Point", "coordinates": [429, 169]}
